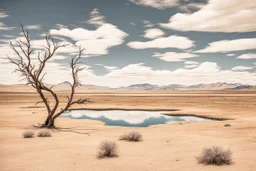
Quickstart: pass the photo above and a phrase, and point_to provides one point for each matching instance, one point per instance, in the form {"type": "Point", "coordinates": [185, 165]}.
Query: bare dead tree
{"type": "Point", "coordinates": [34, 75]}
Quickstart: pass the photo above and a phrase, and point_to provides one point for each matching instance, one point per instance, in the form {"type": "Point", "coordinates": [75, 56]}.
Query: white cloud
{"type": "Point", "coordinates": [95, 42]}
{"type": "Point", "coordinates": [8, 36]}
{"type": "Point", "coordinates": [107, 66]}
{"type": "Point", "coordinates": [229, 45]}
{"type": "Point", "coordinates": [153, 33]}
{"type": "Point", "coordinates": [164, 42]}
{"type": "Point", "coordinates": [191, 6]}
{"type": "Point", "coordinates": [159, 4]}
{"type": "Point", "coordinates": [191, 66]}
{"type": "Point", "coordinates": [33, 27]}
{"type": "Point", "coordinates": [217, 16]}
{"type": "Point", "coordinates": [206, 72]}
{"type": "Point", "coordinates": [230, 54]}
{"type": "Point", "coordinates": [247, 56]}
{"type": "Point", "coordinates": [3, 14]}
{"type": "Point", "coordinates": [2, 25]}
{"type": "Point", "coordinates": [173, 56]}
{"type": "Point", "coordinates": [60, 26]}
{"type": "Point", "coordinates": [147, 23]}
{"type": "Point", "coordinates": [191, 63]}
{"type": "Point", "coordinates": [96, 18]}
{"type": "Point", "coordinates": [241, 68]}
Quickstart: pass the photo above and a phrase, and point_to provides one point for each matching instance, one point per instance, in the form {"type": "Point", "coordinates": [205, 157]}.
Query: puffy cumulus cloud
{"type": "Point", "coordinates": [247, 56]}
{"type": "Point", "coordinates": [95, 42]}
{"type": "Point", "coordinates": [173, 56]}
{"type": "Point", "coordinates": [159, 4]}
{"type": "Point", "coordinates": [153, 33]}
{"type": "Point", "coordinates": [36, 45]}
{"type": "Point", "coordinates": [217, 16]}
{"type": "Point", "coordinates": [96, 18]}
{"type": "Point", "coordinates": [206, 72]}
{"type": "Point", "coordinates": [229, 45]}
{"type": "Point", "coordinates": [178, 42]}
{"type": "Point", "coordinates": [55, 73]}
{"type": "Point", "coordinates": [241, 68]}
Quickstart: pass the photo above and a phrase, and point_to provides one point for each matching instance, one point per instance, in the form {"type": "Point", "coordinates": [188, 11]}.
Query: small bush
{"type": "Point", "coordinates": [107, 149]}
{"type": "Point", "coordinates": [227, 125]}
{"type": "Point", "coordinates": [28, 134]}
{"type": "Point", "coordinates": [215, 156]}
{"type": "Point", "coordinates": [131, 136]}
{"type": "Point", "coordinates": [44, 134]}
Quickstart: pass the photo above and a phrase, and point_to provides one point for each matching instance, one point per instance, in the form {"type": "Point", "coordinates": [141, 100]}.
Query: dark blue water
{"type": "Point", "coordinates": [131, 118]}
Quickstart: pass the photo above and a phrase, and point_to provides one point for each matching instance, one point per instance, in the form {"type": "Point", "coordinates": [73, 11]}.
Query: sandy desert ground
{"type": "Point", "coordinates": [164, 147]}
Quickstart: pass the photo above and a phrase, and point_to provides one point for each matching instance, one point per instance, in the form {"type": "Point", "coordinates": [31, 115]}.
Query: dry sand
{"type": "Point", "coordinates": [164, 147]}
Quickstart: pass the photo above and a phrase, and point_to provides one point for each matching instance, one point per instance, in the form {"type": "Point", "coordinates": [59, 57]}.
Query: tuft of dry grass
{"type": "Point", "coordinates": [44, 134]}
{"type": "Point", "coordinates": [215, 156]}
{"type": "Point", "coordinates": [131, 136]}
{"type": "Point", "coordinates": [28, 134]}
{"type": "Point", "coordinates": [107, 149]}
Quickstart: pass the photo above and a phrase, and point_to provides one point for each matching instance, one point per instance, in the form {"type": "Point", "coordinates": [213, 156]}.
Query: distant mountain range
{"type": "Point", "coordinates": [65, 86]}
{"type": "Point", "coordinates": [213, 86]}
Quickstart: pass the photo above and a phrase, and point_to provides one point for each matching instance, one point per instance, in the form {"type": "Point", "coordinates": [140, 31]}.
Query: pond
{"type": "Point", "coordinates": [134, 118]}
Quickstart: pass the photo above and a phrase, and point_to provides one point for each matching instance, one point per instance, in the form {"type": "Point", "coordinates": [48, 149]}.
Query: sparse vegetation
{"type": "Point", "coordinates": [107, 149]}
{"type": "Point", "coordinates": [131, 136]}
{"type": "Point", "coordinates": [44, 134]}
{"type": "Point", "coordinates": [28, 134]}
{"type": "Point", "coordinates": [227, 125]}
{"type": "Point", "coordinates": [215, 156]}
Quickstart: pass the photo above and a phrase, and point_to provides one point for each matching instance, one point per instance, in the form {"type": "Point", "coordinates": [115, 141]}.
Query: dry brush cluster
{"type": "Point", "coordinates": [30, 134]}
{"type": "Point", "coordinates": [215, 156]}
{"type": "Point", "coordinates": [44, 134]}
{"type": "Point", "coordinates": [107, 149]}
{"type": "Point", "coordinates": [131, 136]}
{"type": "Point", "coordinates": [209, 156]}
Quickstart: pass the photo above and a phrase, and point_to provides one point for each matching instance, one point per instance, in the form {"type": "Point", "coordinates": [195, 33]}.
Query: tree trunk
{"type": "Point", "coordinates": [50, 123]}
{"type": "Point", "coordinates": [46, 122]}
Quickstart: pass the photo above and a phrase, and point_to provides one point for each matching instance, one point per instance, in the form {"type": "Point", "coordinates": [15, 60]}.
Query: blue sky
{"type": "Point", "coordinates": [135, 41]}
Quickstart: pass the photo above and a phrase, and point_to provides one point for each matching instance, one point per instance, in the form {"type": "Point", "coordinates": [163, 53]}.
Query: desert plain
{"type": "Point", "coordinates": [167, 147]}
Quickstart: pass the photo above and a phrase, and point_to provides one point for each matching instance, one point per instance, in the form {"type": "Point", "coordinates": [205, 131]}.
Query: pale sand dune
{"type": "Point", "coordinates": [165, 147]}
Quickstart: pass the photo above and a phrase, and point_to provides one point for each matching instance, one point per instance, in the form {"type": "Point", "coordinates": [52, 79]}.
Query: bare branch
{"type": "Point", "coordinates": [34, 75]}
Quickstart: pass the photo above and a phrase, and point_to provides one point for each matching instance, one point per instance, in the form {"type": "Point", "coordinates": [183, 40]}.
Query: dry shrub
{"type": "Point", "coordinates": [215, 156]}
{"type": "Point", "coordinates": [227, 125]}
{"type": "Point", "coordinates": [44, 134]}
{"type": "Point", "coordinates": [131, 136]}
{"type": "Point", "coordinates": [28, 134]}
{"type": "Point", "coordinates": [107, 149]}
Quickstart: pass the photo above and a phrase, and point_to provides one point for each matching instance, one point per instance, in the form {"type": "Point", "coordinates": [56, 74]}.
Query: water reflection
{"type": "Point", "coordinates": [131, 118]}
